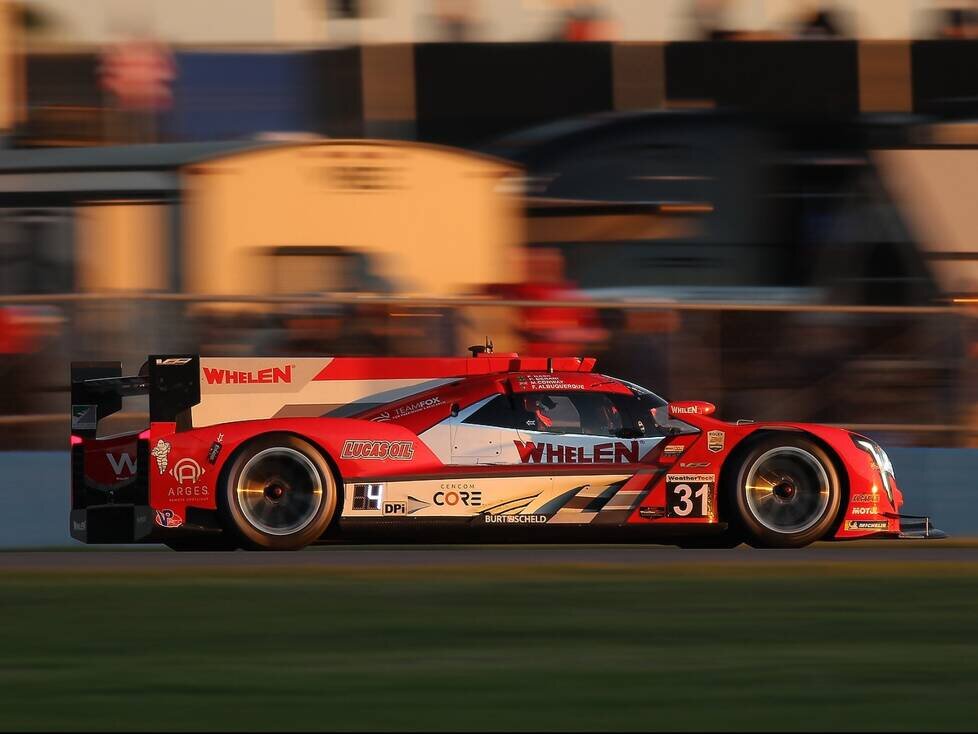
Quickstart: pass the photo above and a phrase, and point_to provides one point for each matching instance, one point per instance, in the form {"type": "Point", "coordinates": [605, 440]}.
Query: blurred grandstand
{"type": "Point", "coordinates": [778, 224]}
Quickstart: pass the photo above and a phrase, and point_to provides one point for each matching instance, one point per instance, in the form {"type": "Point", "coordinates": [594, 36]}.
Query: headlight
{"type": "Point", "coordinates": [882, 463]}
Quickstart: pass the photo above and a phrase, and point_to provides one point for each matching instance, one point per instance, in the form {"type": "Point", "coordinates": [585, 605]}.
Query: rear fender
{"type": "Point", "coordinates": [186, 467]}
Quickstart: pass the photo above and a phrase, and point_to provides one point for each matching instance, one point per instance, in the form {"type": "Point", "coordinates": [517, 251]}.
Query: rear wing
{"type": "Point", "coordinates": [97, 389]}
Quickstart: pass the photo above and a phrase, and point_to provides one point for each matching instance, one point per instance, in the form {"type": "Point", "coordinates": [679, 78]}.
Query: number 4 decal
{"type": "Point", "coordinates": [688, 495]}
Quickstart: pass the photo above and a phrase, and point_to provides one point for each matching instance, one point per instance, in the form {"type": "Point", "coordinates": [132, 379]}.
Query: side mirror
{"type": "Point", "coordinates": [687, 408]}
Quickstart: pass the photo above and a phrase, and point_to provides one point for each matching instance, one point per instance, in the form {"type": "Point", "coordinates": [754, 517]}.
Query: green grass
{"type": "Point", "coordinates": [802, 647]}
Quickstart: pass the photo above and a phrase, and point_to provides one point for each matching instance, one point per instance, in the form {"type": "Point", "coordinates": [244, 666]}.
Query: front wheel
{"type": "Point", "coordinates": [787, 492]}
{"type": "Point", "coordinates": [279, 493]}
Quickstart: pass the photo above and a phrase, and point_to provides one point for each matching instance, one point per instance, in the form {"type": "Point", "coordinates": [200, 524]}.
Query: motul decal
{"type": "Point", "coordinates": [397, 450]}
{"type": "Point", "coordinates": [267, 376]}
{"type": "Point", "coordinates": [554, 453]}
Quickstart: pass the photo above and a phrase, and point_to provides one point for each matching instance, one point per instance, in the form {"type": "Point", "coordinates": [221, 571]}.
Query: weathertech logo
{"type": "Point", "coordinates": [268, 376]}
{"type": "Point", "coordinates": [397, 450]}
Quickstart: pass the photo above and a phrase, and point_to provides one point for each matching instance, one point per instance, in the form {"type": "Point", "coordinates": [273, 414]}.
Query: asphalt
{"type": "Point", "coordinates": [394, 557]}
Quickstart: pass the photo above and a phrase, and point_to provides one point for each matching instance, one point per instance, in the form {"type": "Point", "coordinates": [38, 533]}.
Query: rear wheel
{"type": "Point", "coordinates": [279, 493]}
{"type": "Point", "coordinates": [787, 492]}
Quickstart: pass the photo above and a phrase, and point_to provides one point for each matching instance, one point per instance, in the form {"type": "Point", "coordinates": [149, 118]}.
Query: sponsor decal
{"type": "Point", "coordinates": [693, 478]}
{"type": "Point", "coordinates": [173, 361]}
{"type": "Point", "coordinates": [186, 471]}
{"type": "Point", "coordinates": [715, 441]}
{"type": "Point", "coordinates": [602, 453]}
{"type": "Point", "coordinates": [84, 417]}
{"type": "Point", "coordinates": [215, 449]}
{"type": "Point", "coordinates": [514, 519]}
{"type": "Point", "coordinates": [395, 508]}
{"type": "Point", "coordinates": [188, 492]}
{"type": "Point", "coordinates": [867, 525]}
{"type": "Point", "coordinates": [685, 409]}
{"type": "Point", "coordinates": [168, 519]}
{"type": "Point", "coordinates": [452, 498]}
{"type": "Point", "coordinates": [160, 452]}
{"type": "Point", "coordinates": [673, 449]}
{"type": "Point", "coordinates": [366, 449]}
{"type": "Point", "coordinates": [689, 495]}
{"type": "Point", "coordinates": [872, 498]}
{"type": "Point", "coordinates": [123, 465]}
{"type": "Point", "coordinates": [651, 513]}
{"type": "Point", "coordinates": [410, 409]}
{"type": "Point", "coordinates": [266, 376]}
{"type": "Point", "coordinates": [874, 510]}
{"type": "Point", "coordinates": [79, 526]}
{"type": "Point", "coordinates": [694, 464]}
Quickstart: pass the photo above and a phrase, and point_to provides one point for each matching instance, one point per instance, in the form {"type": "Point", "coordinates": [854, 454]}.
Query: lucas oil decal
{"type": "Point", "coordinates": [364, 449]}
{"type": "Point", "coordinates": [555, 453]}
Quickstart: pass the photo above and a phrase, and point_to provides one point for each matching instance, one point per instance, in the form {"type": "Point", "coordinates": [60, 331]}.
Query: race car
{"type": "Point", "coordinates": [278, 453]}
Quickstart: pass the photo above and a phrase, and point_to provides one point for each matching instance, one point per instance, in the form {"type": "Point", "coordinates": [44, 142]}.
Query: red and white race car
{"type": "Point", "coordinates": [270, 453]}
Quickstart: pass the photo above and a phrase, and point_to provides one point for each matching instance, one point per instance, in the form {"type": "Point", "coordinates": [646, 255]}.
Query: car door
{"type": "Point", "coordinates": [477, 432]}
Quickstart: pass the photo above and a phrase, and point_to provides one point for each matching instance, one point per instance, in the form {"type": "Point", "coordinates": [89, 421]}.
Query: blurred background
{"type": "Point", "coordinates": [768, 204]}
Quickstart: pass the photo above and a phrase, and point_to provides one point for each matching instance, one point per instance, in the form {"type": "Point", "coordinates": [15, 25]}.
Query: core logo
{"type": "Point", "coordinates": [267, 376]}
{"type": "Point", "coordinates": [364, 449]}
{"type": "Point", "coordinates": [123, 465]}
{"type": "Point", "coordinates": [469, 499]}
{"type": "Point", "coordinates": [187, 471]}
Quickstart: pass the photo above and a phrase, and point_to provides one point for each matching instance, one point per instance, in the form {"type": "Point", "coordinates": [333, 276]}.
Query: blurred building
{"type": "Point", "coordinates": [395, 21]}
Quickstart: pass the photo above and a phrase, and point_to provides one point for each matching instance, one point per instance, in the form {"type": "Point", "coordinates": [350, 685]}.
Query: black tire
{"type": "Point", "coordinates": [279, 493]}
{"type": "Point", "coordinates": [785, 492]}
{"type": "Point", "coordinates": [205, 543]}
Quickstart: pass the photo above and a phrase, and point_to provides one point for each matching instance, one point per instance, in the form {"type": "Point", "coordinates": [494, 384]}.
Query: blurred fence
{"type": "Point", "coordinates": [902, 374]}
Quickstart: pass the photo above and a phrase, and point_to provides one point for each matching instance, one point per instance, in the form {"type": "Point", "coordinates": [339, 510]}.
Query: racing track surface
{"type": "Point", "coordinates": [373, 556]}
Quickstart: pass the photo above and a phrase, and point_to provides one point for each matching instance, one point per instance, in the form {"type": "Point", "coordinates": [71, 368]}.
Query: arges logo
{"type": "Point", "coordinates": [187, 471]}
{"type": "Point", "coordinates": [168, 519]}
{"type": "Point", "coordinates": [267, 376]}
{"type": "Point", "coordinates": [365, 449]}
